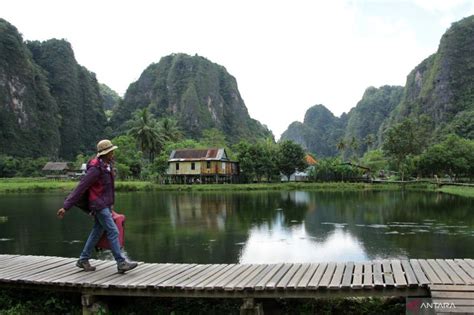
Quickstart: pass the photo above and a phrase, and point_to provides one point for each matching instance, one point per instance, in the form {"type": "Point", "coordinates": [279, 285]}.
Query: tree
{"type": "Point", "coordinates": [290, 158]}
{"type": "Point", "coordinates": [144, 130]}
{"type": "Point", "coordinates": [127, 159]}
{"type": "Point", "coordinates": [169, 129]}
{"type": "Point", "coordinates": [402, 142]}
{"type": "Point", "coordinates": [213, 138]}
{"type": "Point", "coordinates": [453, 157]}
{"type": "Point", "coordinates": [341, 146]}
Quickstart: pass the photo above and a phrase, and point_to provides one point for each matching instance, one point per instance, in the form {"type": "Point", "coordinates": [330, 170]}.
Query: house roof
{"type": "Point", "coordinates": [210, 154]}
{"type": "Point", "coordinates": [56, 166]}
{"type": "Point", "coordinates": [310, 160]}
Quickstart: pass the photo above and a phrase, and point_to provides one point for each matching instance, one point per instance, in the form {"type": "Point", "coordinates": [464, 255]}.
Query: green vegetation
{"type": "Point", "coordinates": [110, 97]}
{"type": "Point", "coordinates": [458, 190]}
{"type": "Point", "coordinates": [199, 94]}
{"type": "Point", "coordinates": [36, 302]}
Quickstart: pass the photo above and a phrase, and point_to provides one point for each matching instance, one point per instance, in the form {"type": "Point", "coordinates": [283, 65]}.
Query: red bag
{"type": "Point", "coordinates": [119, 220]}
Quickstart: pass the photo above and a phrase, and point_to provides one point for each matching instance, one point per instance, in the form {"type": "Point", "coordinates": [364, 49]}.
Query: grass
{"type": "Point", "coordinates": [458, 190]}
{"type": "Point", "coordinates": [18, 185]}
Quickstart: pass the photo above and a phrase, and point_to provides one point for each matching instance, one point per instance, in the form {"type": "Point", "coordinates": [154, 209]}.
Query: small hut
{"type": "Point", "coordinates": [57, 170]}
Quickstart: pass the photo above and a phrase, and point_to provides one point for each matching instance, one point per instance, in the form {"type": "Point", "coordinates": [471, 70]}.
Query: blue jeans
{"type": "Point", "coordinates": [103, 222]}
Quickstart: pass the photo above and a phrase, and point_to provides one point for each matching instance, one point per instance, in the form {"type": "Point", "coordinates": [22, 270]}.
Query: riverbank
{"type": "Point", "coordinates": [21, 185]}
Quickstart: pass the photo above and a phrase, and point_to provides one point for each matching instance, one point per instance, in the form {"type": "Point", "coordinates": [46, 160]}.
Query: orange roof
{"type": "Point", "coordinates": [310, 160]}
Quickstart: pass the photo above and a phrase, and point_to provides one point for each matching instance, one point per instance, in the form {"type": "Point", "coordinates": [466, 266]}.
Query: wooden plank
{"type": "Point", "coordinates": [466, 267]}
{"type": "Point", "coordinates": [252, 277]}
{"type": "Point", "coordinates": [441, 287]}
{"type": "Point", "coordinates": [303, 283]}
{"type": "Point", "coordinates": [420, 275]}
{"type": "Point", "coordinates": [451, 295]}
{"type": "Point", "coordinates": [430, 273]}
{"type": "Point", "coordinates": [25, 265]}
{"type": "Point", "coordinates": [457, 302]}
{"type": "Point", "coordinates": [400, 281]}
{"type": "Point", "coordinates": [213, 278]}
{"type": "Point", "coordinates": [260, 285]}
{"type": "Point", "coordinates": [288, 276]}
{"type": "Point", "coordinates": [337, 277]}
{"type": "Point", "coordinates": [208, 274]}
{"type": "Point", "coordinates": [378, 276]}
{"type": "Point", "coordinates": [59, 273]}
{"type": "Point", "coordinates": [449, 271]}
{"type": "Point", "coordinates": [167, 273]}
{"type": "Point", "coordinates": [38, 268]}
{"type": "Point", "coordinates": [93, 279]}
{"type": "Point", "coordinates": [154, 271]}
{"type": "Point", "coordinates": [236, 273]}
{"type": "Point", "coordinates": [271, 284]}
{"type": "Point", "coordinates": [182, 277]}
{"type": "Point", "coordinates": [388, 274]}
{"type": "Point", "coordinates": [470, 262]}
{"type": "Point", "coordinates": [461, 273]}
{"type": "Point", "coordinates": [347, 277]}
{"type": "Point", "coordinates": [257, 278]}
{"type": "Point", "coordinates": [358, 276]}
{"type": "Point", "coordinates": [409, 274]}
{"type": "Point", "coordinates": [109, 275]}
{"type": "Point", "coordinates": [243, 277]}
{"type": "Point", "coordinates": [440, 272]}
{"type": "Point", "coordinates": [118, 280]}
{"type": "Point", "coordinates": [298, 276]}
{"type": "Point", "coordinates": [461, 310]}
{"type": "Point", "coordinates": [223, 278]}
{"type": "Point", "coordinates": [368, 275]}
{"type": "Point", "coordinates": [327, 276]}
{"type": "Point", "coordinates": [313, 284]}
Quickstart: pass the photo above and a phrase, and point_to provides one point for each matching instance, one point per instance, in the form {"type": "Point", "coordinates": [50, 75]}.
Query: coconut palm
{"type": "Point", "coordinates": [169, 129]}
{"type": "Point", "coordinates": [145, 131]}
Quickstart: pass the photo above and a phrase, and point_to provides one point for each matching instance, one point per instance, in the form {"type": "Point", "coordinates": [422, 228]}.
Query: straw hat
{"type": "Point", "coordinates": [104, 147]}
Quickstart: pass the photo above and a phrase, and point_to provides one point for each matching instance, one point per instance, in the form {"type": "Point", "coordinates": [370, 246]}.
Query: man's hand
{"type": "Point", "coordinates": [61, 212]}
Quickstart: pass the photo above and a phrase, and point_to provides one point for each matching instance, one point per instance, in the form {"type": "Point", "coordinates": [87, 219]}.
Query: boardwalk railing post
{"type": "Point", "coordinates": [250, 308]}
{"type": "Point", "coordinates": [91, 305]}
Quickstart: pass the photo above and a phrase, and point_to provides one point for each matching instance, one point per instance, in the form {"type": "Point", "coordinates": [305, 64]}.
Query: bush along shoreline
{"type": "Point", "coordinates": [17, 301]}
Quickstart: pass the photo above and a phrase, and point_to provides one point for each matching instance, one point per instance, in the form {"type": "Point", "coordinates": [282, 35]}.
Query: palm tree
{"type": "Point", "coordinates": [144, 130]}
{"type": "Point", "coordinates": [369, 140]}
{"type": "Point", "coordinates": [341, 146]}
{"type": "Point", "coordinates": [169, 129]}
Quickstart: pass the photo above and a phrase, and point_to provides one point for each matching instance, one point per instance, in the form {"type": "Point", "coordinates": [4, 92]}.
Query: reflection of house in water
{"type": "Point", "coordinates": [200, 210]}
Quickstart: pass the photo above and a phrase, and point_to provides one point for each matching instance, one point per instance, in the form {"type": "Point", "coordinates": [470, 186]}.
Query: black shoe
{"type": "Point", "coordinates": [126, 266]}
{"type": "Point", "coordinates": [84, 264]}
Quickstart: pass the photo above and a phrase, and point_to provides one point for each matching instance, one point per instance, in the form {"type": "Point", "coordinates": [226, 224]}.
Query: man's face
{"type": "Point", "coordinates": [110, 156]}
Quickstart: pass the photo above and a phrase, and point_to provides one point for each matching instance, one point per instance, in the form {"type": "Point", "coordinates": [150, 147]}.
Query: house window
{"type": "Point", "coordinates": [208, 164]}
{"type": "Point", "coordinates": [193, 166]}
{"type": "Point", "coordinates": [177, 166]}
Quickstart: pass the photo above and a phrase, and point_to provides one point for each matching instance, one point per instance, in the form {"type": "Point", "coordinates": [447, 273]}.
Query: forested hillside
{"type": "Point", "coordinates": [197, 93]}
{"type": "Point", "coordinates": [438, 97]}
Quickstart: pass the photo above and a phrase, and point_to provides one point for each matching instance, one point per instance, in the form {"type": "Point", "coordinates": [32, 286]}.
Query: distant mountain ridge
{"type": "Point", "coordinates": [439, 92]}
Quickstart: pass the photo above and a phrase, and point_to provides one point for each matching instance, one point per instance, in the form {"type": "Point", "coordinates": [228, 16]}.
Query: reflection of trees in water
{"type": "Point", "coordinates": [372, 217]}
{"type": "Point", "coordinates": [212, 227]}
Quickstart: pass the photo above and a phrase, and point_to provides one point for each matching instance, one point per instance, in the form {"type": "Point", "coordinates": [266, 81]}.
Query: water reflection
{"type": "Point", "coordinates": [278, 243]}
{"type": "Point", "coordinates": [253, 227]}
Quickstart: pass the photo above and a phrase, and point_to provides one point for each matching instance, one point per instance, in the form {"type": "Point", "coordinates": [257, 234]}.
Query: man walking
{"type": "Point", "coordinates": [98, 184]}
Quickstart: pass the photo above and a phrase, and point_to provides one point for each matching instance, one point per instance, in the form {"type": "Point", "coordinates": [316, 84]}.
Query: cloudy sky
{"type": "Point", "coordinates": [286, 55]}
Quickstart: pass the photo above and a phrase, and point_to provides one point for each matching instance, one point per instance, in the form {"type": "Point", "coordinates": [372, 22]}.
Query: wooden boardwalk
{"type": "Point", "coordinates": [414, 277]}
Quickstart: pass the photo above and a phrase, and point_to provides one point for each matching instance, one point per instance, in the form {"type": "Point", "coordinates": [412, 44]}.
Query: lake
{"type": "Point", "coordinates": [252, 227]}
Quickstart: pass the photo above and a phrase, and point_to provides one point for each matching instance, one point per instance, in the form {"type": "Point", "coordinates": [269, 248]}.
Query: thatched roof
{"type": "Point", "coordinates": [56, 166]}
